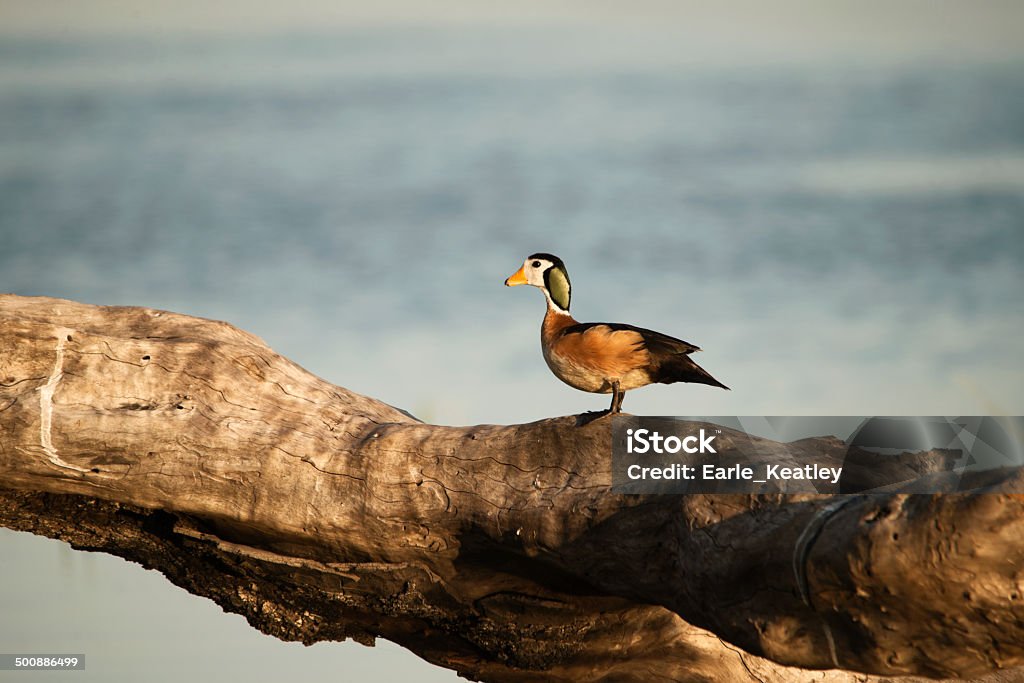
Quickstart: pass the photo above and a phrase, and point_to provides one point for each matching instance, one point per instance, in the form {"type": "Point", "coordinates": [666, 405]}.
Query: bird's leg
{"type": "Point", "coordinates": [617, 396]}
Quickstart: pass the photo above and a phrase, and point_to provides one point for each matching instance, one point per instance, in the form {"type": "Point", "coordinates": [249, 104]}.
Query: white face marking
{"type": "Point", "coordinates": [534, 269]}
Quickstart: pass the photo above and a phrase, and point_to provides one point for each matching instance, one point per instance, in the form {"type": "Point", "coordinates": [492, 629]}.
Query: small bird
{"type": "Point", "coordinates": [603, 358]}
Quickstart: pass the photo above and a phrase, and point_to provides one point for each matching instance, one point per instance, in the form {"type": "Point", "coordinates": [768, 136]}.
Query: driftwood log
{"type": "Point", "coordinates": [188, 446]}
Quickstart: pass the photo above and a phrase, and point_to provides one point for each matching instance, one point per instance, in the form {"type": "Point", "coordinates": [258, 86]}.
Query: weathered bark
{"type": "Point", "coordinates": [498, 551]}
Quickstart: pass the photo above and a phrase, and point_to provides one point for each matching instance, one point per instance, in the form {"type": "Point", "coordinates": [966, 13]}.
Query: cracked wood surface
{"type": "Point", "coordinates": [189, 446]}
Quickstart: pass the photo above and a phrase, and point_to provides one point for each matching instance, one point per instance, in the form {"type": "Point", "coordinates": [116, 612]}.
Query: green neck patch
{"type": "Point", "coordinates": [557, 281]}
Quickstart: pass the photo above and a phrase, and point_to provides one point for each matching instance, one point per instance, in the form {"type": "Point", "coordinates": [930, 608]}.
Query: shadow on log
{"type": "Point", "coordinates": [188, 446]}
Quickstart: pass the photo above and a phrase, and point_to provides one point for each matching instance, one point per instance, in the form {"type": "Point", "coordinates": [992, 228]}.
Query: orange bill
{"type": "Point", "coordinates": [518, 278]}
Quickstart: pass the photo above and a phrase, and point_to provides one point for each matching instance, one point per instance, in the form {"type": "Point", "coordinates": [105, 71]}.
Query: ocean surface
{"type": "Point", "coordinates": [842, 238]}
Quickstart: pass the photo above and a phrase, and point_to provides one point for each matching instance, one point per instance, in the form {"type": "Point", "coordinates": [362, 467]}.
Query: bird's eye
{"type": "Point", "coordinates": [535, 264]}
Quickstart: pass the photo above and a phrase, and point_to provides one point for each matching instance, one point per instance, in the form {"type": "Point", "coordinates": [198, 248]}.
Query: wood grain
{"type": "Point", "coordinates": [498, 551]}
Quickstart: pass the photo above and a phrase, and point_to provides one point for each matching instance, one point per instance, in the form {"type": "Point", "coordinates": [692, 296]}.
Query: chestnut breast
{"type": "Point", "coordinates": [591, 356]}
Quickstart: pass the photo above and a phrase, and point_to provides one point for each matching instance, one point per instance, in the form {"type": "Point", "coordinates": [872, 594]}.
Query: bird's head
{"type": "Point", "coordinates": [548, 273]}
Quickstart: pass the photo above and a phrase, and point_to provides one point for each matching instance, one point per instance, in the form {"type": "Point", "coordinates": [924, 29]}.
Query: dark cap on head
{"type": "Point", "coordinates": [549, 257]}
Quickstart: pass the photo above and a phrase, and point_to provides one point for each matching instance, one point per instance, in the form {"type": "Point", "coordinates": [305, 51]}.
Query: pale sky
{"type": "Point", "coordinates": [992, 29]}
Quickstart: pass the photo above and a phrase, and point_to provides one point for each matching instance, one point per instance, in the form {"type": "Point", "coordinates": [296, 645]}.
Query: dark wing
{"type": "Point", "coordinates": [670, 360]}
{"type": "Point", "coordinates": [658, 343]}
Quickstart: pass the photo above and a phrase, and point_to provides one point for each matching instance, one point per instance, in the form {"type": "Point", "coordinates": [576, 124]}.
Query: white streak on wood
{"type": "Point", "coordinates": [46, 405]}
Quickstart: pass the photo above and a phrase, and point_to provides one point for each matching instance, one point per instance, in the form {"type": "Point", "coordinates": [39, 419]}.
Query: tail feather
{"type": "Point", "coordinates": [681, 368]}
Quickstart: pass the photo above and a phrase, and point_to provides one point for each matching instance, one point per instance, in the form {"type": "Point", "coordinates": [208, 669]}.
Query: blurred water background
{"type": "Point", "coordinates": [834, 212]}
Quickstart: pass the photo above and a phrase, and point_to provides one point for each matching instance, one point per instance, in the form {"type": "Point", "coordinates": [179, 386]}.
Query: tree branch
{"type": "Point", "coordinates": [188, 446]}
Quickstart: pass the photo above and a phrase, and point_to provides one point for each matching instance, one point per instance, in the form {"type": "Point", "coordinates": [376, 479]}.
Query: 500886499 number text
{"type": "Point", "coordinates": [46, 661]}
{"type": "Point", "coordinates": [11, 662]}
